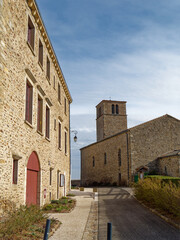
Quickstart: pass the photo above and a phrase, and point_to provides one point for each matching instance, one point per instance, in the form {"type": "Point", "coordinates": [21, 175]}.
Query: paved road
{"type": "Point", "coordinates": [129, 219]}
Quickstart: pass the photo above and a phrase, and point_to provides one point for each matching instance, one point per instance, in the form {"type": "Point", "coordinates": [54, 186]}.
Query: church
{"type": "Point", "coordinates": [121, 153]}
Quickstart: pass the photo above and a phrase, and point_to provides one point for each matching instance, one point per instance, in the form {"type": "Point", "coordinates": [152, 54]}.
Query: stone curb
{"type": "Point", "coordinates": [91, 228]}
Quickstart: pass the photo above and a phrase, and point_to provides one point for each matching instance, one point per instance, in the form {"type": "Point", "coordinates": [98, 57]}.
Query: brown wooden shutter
{"type": "Point", "coordinates": [15, 171]}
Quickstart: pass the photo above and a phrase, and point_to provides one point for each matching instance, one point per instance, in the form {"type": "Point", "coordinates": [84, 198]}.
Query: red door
{"type": "Point", "coordinates": [32, 179]}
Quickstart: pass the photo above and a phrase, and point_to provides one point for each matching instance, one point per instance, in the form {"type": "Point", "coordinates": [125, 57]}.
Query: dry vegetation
{"type": "Point", "coordinates": [162, 196]}
{"type": "Point", "coordinates": [29, 222]}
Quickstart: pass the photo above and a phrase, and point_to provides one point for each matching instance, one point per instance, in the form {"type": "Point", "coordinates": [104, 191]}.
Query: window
{"type": "Point", "coordinates": [112, 108]}
{"type": "Point", "coordinates": [50, 176]}
{"type": "Point", "coordinates": [59, 93]}
{"type": "Point", "coordinates": [50, 196]}
{"type": "Point", "coordinates": [57, 184]}
{"type": "Point", "coordinates": [93, 162]}
{"type": "Point", "coordinates": [39, 114]}
{"type": "Point", "coordinates": [59, 136]}
{"type": "Point", "coordinates": [54, 124]}
{"type": "Point", "coordinates": [29, 98]}
{"type": "Point", "coordinates": [47, 122]}
{"type": "Point", "coordinates": [40, 53]}
{"type": "Point", "coordinates": [15, 171]}
{"type": "Point", "coordinates": [65, 142]}
{"type": "Point", "coordinates": [48, 69]}
{"type": "Point", "coordinates": [31, 33]}
{"type": "Point", "coordinates": [65, 105]}
{"type": "Point", "coordinates": [105, 158]}
{"type": "Point", "coordinates": [99, 111]}
{"type": "Point", "coordinates": [62, 179]}
{"type": "Point", "coordinates": [117, 109]}
{"type": "Point", "coordinates": [54, 85]}
{"type": "Point", "coordinates": [119, 157]}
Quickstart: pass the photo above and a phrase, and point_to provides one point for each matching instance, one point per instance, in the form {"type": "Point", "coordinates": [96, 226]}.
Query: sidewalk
{"type": "Point", "coordinates": [76, 224]}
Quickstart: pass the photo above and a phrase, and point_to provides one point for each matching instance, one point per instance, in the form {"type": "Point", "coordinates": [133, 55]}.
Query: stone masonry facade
{"type": "Point", "coordinates": [19, 64]}
{"type": "Point", "coordinates": [115, 159]}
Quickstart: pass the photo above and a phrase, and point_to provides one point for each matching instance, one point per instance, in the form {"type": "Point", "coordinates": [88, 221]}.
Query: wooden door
{"type": "Point", "coordinates": [33, 182]}
{"type": "Point", "coordinates": [31, 192]}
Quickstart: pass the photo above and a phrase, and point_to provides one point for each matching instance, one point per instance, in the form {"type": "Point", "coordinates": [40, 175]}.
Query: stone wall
{"type": "Point", "coordinates": [109, 124]}
{"type": "Point", "coordinates": [140, 146]}
{"type": "Point", "coordinates": [169, 166]}
{"type": "Point", "coordinates": [19, 63]}
{"type": "Point", "coordinates": [152, 139]}
{"type": "Point", "coordinates": [101, 172]}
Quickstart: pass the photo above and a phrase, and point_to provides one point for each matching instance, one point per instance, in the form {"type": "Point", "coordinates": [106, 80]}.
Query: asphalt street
{"type": "Point", "coordinates": [129, 219]}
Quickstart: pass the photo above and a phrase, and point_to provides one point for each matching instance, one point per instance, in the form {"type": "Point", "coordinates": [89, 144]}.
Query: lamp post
{"type": "Point", "coordinates": [75, 140]}
{"type": "Point", "coordinates": [75, 133]}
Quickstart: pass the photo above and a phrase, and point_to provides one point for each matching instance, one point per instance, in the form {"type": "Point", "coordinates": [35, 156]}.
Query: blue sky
{"type": "Point", "coordinates": [125, 50]}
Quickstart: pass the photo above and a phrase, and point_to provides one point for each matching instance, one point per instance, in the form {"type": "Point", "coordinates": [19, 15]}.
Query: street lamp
{"type": "Point", "coordinates": [75, 133]}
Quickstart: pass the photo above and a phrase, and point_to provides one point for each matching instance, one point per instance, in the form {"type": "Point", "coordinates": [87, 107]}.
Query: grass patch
{"type": "Point", "coordinates": [162, 196]}
{"type": "Point", "coordinates": [65, 204]}
{"type": "Point", "coordinates": [25, 223]}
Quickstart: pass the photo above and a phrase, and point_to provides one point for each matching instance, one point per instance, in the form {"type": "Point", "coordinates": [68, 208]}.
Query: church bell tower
{"type": "Point", "coordinates": [111, 118]}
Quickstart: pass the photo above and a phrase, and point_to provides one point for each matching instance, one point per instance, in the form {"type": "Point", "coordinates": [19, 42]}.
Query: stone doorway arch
{"type": "Point", "coordinates": [33, 180]}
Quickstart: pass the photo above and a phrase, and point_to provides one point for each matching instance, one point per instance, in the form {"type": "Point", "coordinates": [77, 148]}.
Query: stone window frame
{"type": "Point", "coordinates": [39, 97]}
{"type": "Point", "coordinates": [59, 135]}
{"type": "Point", "coordinates": [65, 142]}
{"type": "Point", "coordinates": [65, 105]}
{"type": "Point", "coordinates": [54, 82]}
{"type": "Point", "coordinates": [29, 102]}
{"type": "Point", "coordinates": [47, 122]}
{"type": "Point", "coordinates": [59, 92]}
{"type": "Point", "coordinates": [40, 53]}
{"type": "Point", "coordinates": [15, 171]}
{"type": "Point", "coordinates": [48, 69]}
{"type": "Point", "coordinates": [50, 176]}
{"type": "Point", "coordinates": [31, 34]}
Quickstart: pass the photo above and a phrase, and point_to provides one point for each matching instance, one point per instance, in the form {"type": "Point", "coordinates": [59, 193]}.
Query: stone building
{"type": "Point", "coordinates": [34, 109]}
{"type": "Point", "coordinates": [119, 151]}
{"type": "Point", "coordinates": [169, 163]}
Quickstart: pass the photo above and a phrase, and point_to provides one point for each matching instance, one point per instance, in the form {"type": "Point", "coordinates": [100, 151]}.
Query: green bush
{"type": "Point", "coordinates": [166, 179]}
{"type": "Point", "coordinates": [48, 207]}
{"type": "Point", "coordinates": [159, 194]}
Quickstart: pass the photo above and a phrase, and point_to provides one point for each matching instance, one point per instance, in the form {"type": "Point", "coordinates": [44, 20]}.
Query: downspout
{"type": "Point", "coordinates": [69, 150]}
{"type": "Point", "coordinates": [128, 164]}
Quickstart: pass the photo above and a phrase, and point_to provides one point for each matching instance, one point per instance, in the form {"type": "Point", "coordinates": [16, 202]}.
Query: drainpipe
{"type": "Point", "coordinates": [127, 144]}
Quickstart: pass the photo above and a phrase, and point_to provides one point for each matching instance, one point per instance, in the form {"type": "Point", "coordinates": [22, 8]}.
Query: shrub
{"type": "Point", "coordinates": [20, 219]}
{"type": "Point", "coordinates": [71, 195]}
{"type": "Point", "coordinates": [166, 179]}
{"type": "Point", "coordinates": [159, 194]}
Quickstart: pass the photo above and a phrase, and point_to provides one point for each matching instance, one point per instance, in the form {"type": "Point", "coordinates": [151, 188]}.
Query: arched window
{"type": "Point", "coordinates": [93, 162]}
{"type": "Point", "coordinates": [117, 109]}
{"type": "Point", "coordinates": [112, 108]}
{"type": "Point", "coordinates": [119, 157]}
